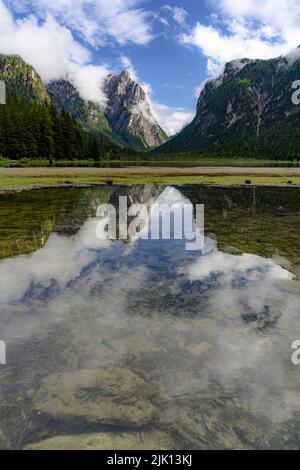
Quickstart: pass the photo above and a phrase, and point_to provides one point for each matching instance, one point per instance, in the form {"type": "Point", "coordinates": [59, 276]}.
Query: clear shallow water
{"type": "Point", "coordinates": [143, 344]}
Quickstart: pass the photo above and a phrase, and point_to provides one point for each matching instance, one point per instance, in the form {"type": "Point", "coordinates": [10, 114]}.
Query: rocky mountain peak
{"type": "Point", "coordinates": [129, 113]}
{"type": "Point", "coordinates": [124, 89]}
{"type": "Point", "coordinates": [125, 75]}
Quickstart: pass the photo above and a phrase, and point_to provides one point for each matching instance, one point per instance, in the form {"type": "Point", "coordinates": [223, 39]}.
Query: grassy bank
{"type": "Point", "coordinates": [149, 160]}
{"type": "Point", "coordinates": [19, 178]}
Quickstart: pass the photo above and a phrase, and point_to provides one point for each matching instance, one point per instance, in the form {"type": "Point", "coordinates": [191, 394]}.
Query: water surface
{"type": "Point", "coordinates": [143, 344]}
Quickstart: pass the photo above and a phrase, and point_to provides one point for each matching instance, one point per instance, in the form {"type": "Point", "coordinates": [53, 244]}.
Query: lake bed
{"type": "Point", "coordinates": [140, 344]}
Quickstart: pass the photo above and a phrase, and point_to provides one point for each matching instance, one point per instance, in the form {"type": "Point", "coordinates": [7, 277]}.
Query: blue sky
{"type": "Point", "coordinates": [173, 70]}
{"type": "Point", "coordinates": [171, 47]}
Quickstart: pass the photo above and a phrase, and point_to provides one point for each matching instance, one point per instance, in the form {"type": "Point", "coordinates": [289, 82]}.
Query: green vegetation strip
{"type": "Point", "coordinates": [14, 178]}
{"type": "Point", "coordinates": [152, 160]}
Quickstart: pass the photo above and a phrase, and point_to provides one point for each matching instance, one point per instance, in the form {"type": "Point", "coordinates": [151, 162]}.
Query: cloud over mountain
{"type": "Point", "coordinates": [52, 49]}
{"type": "Point", "coordinates": [254, 29]}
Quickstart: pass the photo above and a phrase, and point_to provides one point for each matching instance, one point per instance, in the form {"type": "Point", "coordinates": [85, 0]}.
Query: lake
{"type": "Point", "coordinates": [141, 344]}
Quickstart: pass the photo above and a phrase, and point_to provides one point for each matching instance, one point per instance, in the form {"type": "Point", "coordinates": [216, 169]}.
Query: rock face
{"type": "Point", "coordinates": [108, 397]}
{"type": "Point", "coordinates": [65, 96]}
{"type": "Point", "coordinates": [127, 118]}
{"type": "Point", "coordinates": [248, 110]}
{"type": "Point", "coordinates": [21, 79]}
{"type": "Point", "coordinates": [129, 114]}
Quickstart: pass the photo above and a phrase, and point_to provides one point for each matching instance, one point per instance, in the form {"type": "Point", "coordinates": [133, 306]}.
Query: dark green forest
{"type": "Point", "coordinates": [279, 141]}
{"type": "Point", "coordinates": [36, 130]}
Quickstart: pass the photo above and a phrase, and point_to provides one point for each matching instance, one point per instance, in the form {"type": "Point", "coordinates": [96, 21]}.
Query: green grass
{"type": "Point", "coordinates": [14, 178]}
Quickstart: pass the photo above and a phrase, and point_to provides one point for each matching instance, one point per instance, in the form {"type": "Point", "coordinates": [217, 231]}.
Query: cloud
{"type": "Point", "coordinates": [232, 266]}
{"type": "Point", "coordinates": [128, 65]}
{"type": "Point", "coordinates": [178, 14]}
{"type": "Point", "coordinates": [171, 119]}
{"type": "Point", "coordinates": [253, 29]}
{"type": "Point", "coordinates": [282, 16]}
{"type": "Point", "coordinates": [236, 359]}
{"type": "Point", "coordinates": [96, 21]}
{"type": "Point", "coordinates": [56, 54]}
{"type": "Point", "coordinates": [51, 53]}
{"type": "Point", "coordinates": [88, 80]}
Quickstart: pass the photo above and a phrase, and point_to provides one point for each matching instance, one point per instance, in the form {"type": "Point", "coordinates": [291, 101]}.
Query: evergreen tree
{"type": "Point", "coordinates": [37, 130]}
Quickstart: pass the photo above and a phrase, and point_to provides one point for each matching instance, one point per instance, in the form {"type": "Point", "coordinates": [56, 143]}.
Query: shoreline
{"type": "Point", "coordinates": [20, 189]}
{"type": "Point", "coordinates": [22, 179]}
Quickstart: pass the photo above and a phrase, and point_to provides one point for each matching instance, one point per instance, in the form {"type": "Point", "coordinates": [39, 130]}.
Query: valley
{"type": "Point", "coordinates": [149, 228]}
{"type": "Point", "coordinates": [249, 112]}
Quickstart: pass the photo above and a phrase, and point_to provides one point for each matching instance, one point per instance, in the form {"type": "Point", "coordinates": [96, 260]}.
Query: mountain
{"type": "Point", "coordinates": [129, 114]}
{"type": "Point", "coordinates": [21, 79]}
{"type": "Point", "coordinates": [33, 128]}
{"type": "Point", "coordinates": [247, 111]}
{"type": "Point", "coordinates": [65, 96]}
{"type": "Point", "coordinates": [127, 117]}
{"type": "Point", "coordinates": [126, 120]}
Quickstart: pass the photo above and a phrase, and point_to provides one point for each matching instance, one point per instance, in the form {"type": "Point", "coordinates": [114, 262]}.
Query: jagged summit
{"type": "Point", "coordinates": [129, 113]}
{"type": "Point", "coordinates": [127, 117]}
{"type": "Point", "coordinates": [126, 75]}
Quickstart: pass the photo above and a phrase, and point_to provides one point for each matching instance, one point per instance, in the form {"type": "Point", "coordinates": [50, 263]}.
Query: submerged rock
{"type": "Point", "coordinates": [264, 319]}
{"type": "Point", "coordinates": [151, 440]}
{"type": "Point", "coordinates": [4, 441]}
{"type": "Point", "coordinates": [111, 396]}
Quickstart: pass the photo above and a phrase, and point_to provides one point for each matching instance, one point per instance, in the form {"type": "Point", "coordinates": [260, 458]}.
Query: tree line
{"type": "Point", "coordinates": [38, 131]}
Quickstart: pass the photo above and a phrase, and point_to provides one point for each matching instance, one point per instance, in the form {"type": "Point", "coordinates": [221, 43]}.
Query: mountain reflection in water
{"type": "Point", "coordinates": [145, 345]}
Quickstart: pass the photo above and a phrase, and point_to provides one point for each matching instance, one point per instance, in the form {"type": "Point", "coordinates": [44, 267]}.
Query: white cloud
{"type": "Point", "coordinates": [178, 14]}
{"type": "Point", "coordinates": [223, 47]}
{"type": "Point", "coordinates": [147, 89]}
{"type": "Point", "coordinates": [88, 80]}
{"type": "Point", "coordinates": [51, 52]}
{"type": "Point", "coordinates": [44, 36]}
{"type": "Point", "coordinates": [293, 56]}
{"type": "Point", "coordinates": [230, 266]}
{"type": "Point", "coordinates": [128, 65]}
{"type": "Point", "coordinates": [171, 119]}
{"type": "Point", "coordinates": [281, 15]}
{"type": "Point", "coordinates": [256, 29]}
{"type": "Point", "coordinates": [96, 21]}
{"type": "Point", "coordinates": [55, 54]}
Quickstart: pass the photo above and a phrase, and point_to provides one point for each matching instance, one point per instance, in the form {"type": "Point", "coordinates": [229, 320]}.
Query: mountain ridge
{"type": "Point", "coordinates": [90, 115]}
{"type": "Point", "coordinates": [246, 111]}
{"type": "Point", "coordinates": [33, 128]}
{"type": "Point", "coordinates": [127, 120]}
